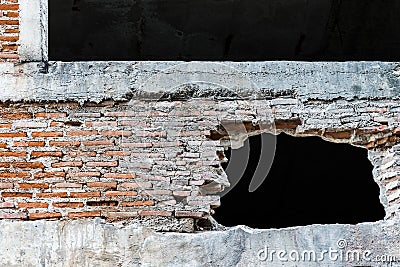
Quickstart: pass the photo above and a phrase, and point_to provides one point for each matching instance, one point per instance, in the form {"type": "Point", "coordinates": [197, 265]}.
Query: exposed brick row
{"type": "Point", "coordinates": [121, 161]}
{"type": "Point", "coordinates": [9, 31]}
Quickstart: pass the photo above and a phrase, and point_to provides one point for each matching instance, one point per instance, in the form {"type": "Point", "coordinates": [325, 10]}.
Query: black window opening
{"type": "Point", "coordinates": [311, 181]}
{"type": "Point", "coordinates": [231, 30]}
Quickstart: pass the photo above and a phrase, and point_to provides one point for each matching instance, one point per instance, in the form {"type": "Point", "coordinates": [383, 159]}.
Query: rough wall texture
{"type": "Point", "coordinates": [95, 243]}
{"type": "Point", "coordinates": [143, 154]}
{"type": "Point", "coordinates": [159, 158]}
{"type": "Point", "coordinates": [97, 81]}
{"type": "Point", "coordinates": [9, 30]}
{"type": "Point", "coordinates": [110, 140]}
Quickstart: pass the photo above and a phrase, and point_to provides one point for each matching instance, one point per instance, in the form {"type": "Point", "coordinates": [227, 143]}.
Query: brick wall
{"type": "Point", "coordinates": [142, 158]}
{"type": "Point", "coordinates": [9, 30]}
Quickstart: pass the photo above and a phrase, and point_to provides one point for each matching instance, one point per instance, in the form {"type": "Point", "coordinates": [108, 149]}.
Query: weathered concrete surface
{"type": "Point", "coordinates": [33, 35]}
{"type": "Point", "coordinates": [97, 81]}
{"type": "Point", "coordinates": [95, 243]}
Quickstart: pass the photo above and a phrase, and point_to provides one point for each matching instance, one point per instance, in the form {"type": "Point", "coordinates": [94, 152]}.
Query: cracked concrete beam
{"type": "Point", "coordinates": [98, 81]}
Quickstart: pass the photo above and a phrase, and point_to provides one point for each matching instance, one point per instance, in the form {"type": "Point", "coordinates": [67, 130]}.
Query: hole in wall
{"type": "Point", "coordinates": [233, 30]}
{"type": "Point", "coordinates": [311, 181]}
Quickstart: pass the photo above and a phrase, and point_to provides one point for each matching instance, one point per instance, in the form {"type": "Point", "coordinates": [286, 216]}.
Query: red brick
{"type": "Point", "coordinates": [120, 114]}
{"type": "Point", "coordinates": [64, 143]}
{"type": "Point", "coordinates": [71, 205]}
{"type": "Point", "coordinates": [28, 165]}
{"type": "Point", "coordinates": [51, 195]}
{"type": "Point", "coordinates": [84, 174]}
{"type": "Point", "coordinates": [6, 205]}
{"type": "Point", "coordinates": [15, 175]}
{"type": "Point", "coordinates": [51, 115]}
{"type": "Point", "coordinates": [84, 214]}
{"type": "Point", "coordinates": [88, 115]}
{"type": "Point", "coordinates": [190, 214]}
{"type": "Point", "coordinates": [39, 154]}
{"type": "Point", "coordinates": [151, 134]}
{"type": "Point", "coordinates": [32, 205]}
{"type": "Point", "coordinates": [155, 213]}
{"type": "Point", "coordinates": [100, 123]}
{"type": "Point", "coordinates": [47, 134]}
{"type": "Point", "coordinates": [371, 130]}
{"type": "Point", "coordinates": [12, 154]}
{"type": "Point", "coordinates": [84, 194]}
{"type": "Point", "coordinates": [16, 116]}
{"type": "Point", "coordinates": [99, 143]}
{"type": "Point", "coordinates": [5, 125]}
{"type": "Point", "coordinates": [67, 164]}
{"type": "Point", "coordinates": [138, 203]}
{"type": "Point", "coordinates": [117, 153]}
{"type": "Point", "coordinates": [117, 133]}
{"type": "Point", "coordinates": [134, 123]}
{"type": "Point", "coordinates": [33, 185]}
{"type": "Point", "coordinates": [57, 124]}
{"type": "Point", "coordinates": [115, 215]}
{"type": "Point", "coordinates": [82, 154]}
{"type": "Point", "coordinates": [10, 47]}
{"type": "Point", "coordinates": [6, 185]}
{"type": "Point", "coordinates": [12, 135]}
{"type": "Point", "coordinates": [102, 163]}
{"type": "Point", "coordinates": [12, 31]}
{"type": "Point", "coordinates": [5, 164]}
{"type": "Point", "coordinates": [44, 215]}
{"type": "Point", "coordinates": [181, 193]}
{"type": "Point", "coordinates": [157, 114]}
{"type": "Point", "coordinates": [9, 38]}
{"type": "Point", "coordinates": [9, 22]}
{"type": "Point", "coordinates": [102, 184]}
{"type": "Point", "coordinates": [18, 215]}
{"type": "Point", "coordinates": [339, 134]}
{"type": "Point", "coordinates": [103, 203]}
{"type": "Point", "coordinates": [29, 143]}
{"type": "Point", "coordinates": [40, 175]}
{"type": "Point", "coordinates": [9, 6]}
{"type": "Point", "coordinates": [16, 194]}
{"type": "Point", "coordinates": [72, 123]}
{"type": "Point", "coordinates": [120, 175]}
{"type": "Point", "coordinates": [82, 132]}
{"type": "Point", "coordinates": [120, 193]}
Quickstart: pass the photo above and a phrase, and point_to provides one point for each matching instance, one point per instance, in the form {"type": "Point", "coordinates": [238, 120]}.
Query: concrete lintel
{"type": "Point", "coordinates": [98, 81]}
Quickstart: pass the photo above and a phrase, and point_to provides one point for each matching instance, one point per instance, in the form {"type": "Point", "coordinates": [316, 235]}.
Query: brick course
{"type": "Point", "coordinates": [89, 162]}
{"type": "Point", "coordinates": [9, 30]}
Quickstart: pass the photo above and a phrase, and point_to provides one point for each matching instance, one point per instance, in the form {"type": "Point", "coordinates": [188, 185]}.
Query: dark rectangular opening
{"type": "Point", "coordinates": [232, 30]}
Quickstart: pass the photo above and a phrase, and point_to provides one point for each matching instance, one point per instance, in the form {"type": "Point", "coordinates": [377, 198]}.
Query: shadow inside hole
{"type": "Point", "coordinates": [311, 181]}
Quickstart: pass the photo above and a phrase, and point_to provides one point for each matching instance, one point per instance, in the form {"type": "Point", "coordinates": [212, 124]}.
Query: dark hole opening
{"type": "Point", "coordinates": [233, 30]}
{"type": "Point", "coordinates": [311, 181]}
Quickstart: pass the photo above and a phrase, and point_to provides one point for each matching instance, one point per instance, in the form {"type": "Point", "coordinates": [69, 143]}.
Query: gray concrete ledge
{"type": "Point", "coordinates": [92, 242]}
{"type": "Point", "coordinates": [98, 81]}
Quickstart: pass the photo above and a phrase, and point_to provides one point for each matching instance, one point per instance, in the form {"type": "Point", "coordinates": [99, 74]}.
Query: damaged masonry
{"type": "Point", "coordinates": [121, 163]}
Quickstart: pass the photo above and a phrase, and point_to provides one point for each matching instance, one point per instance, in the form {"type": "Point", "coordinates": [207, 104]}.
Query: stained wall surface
{"type": "Point", "coordinates": [251, 30]}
